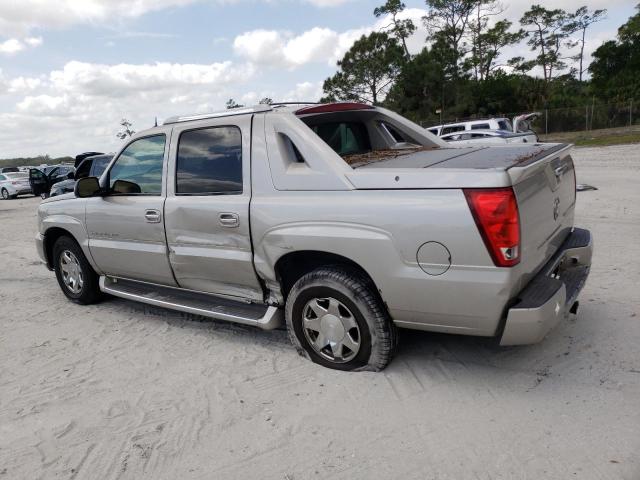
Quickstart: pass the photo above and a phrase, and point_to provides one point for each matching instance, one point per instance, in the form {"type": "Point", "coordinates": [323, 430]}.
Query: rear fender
{"type": "Point", "coordinates": [346, 240]}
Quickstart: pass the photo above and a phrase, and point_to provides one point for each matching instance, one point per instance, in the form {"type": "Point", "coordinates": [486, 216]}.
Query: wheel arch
{"type": "Point", "coordinates": [292, 266]}
{"type": "Point", "coordinates": [51, 236]}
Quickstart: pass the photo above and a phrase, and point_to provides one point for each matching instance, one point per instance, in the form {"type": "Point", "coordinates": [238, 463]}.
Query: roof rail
{"type": "Point", "coordinates": [277, 104]}
{"type": "Point", "coordinates": [224, 113]}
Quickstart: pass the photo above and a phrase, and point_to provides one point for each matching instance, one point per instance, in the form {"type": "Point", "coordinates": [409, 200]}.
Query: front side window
{"type": "Point", "coordinates": [209, 162]}
{"type": "Point", "coordinates": [138, 169]}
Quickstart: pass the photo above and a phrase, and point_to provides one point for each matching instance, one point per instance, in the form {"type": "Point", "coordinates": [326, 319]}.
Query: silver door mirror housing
{"type": "Point", "coordinates": [87, 187]}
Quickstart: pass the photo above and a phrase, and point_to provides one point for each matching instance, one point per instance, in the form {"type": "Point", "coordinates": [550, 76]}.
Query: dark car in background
{"type": "Point", "coordinates": [89, 166]}
{"type": "Point", "coordinates": [41, 179]}
{"type": "Point", "coordinates": [47, 178]}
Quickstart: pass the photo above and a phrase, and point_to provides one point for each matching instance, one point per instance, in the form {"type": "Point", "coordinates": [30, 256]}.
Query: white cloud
{"type": "Point", "coordinates": [13, 45]}
{"type": "Point", "coordinates": [33, 41]}
{"type": "Point", "coordinates": [78, 107]}
{"type": "Point", "coordinates": [276, 48]}
{"type": "Point", "coordinates": [283, 49]}
{"type": "Point", "coordinates": [327, 3]}
{"type": "Point", "coordinates": [305, 92]}
{"type": "Point", "coordinates": [23, 84]}
{"type": "Point", "coordinates": [21, 16]}
{"type": "Point", "coordinates": [130, 79]}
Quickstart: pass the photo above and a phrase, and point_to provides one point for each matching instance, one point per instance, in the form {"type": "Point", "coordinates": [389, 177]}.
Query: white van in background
{"type": "Point", "coordinates": [521, 124]}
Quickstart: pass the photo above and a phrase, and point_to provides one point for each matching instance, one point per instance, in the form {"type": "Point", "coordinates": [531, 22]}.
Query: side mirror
{"type": "Point", "coordinates": [87, 187]}
{"type": "Point", "coordinates": [124, 187]}
{"type": "Point", "coordinates": [71, 175]}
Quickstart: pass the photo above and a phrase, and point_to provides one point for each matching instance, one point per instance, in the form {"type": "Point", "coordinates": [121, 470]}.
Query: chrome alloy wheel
{"type": "Point", "coordinates": [71, 272]}
{"type": "Point", "coordinates": [331, 329]}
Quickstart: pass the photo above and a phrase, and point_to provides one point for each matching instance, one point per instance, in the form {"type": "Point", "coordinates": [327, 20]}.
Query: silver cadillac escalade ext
{"type": "Point", "coordinates": [344, 221]}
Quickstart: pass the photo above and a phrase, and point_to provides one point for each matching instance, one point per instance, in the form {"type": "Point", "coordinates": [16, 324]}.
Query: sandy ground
{"type": "Point", "coordinates": [121, 390]}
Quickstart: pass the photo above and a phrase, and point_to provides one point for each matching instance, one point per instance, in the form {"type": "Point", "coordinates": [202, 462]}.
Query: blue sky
{"type": "Point", "coordinates": [70, 69]}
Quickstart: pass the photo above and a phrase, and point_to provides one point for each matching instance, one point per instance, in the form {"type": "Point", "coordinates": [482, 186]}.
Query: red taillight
{"type": "Point", "coordinates": [495, 211]}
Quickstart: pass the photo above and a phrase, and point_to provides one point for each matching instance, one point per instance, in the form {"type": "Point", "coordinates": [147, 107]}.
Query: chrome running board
{"type": "Point", "coordinates": [264, 317]}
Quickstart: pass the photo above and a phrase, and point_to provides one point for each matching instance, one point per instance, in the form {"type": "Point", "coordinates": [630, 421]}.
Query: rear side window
{"type": "Point", "coordinates": [209, 162]}
{"type": "Point", "coordinates": [451, 129]}
{"type": "Point", "coordinates": [480, 126]}
{"type": "Point", "coordinates": [504, 125]}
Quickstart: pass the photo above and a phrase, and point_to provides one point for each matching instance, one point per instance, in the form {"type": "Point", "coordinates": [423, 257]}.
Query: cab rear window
{"type": "Point", "coordinates": [345, 138]}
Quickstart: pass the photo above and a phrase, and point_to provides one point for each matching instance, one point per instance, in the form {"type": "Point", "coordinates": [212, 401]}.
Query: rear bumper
{"type": "Point", "coordinates": [549, 297]}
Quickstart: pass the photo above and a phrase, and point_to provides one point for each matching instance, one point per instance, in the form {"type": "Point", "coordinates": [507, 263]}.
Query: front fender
{"type": "Point", "coordinates": [67, 216]}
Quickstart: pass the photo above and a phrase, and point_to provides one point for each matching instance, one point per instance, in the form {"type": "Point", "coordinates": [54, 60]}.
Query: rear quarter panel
{"type": "Point", "coordinates": [382, 232]}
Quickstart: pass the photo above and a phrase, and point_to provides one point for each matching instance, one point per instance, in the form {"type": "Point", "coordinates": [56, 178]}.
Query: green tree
{"type": "Point", "coordinates": [580, 21]}
{"type": "Point", "coordinates": [367, 70]}
{"type": "Point", "coordinates": [231, 104]}
{"type": "Point", "coordinates": [401, 29]}
{"type": "Point", "coordinates": [546, 31]}
{"type": "Point", "coordinates": [615, 69]}
{"type": "Point", "coordinates": [447, 22]}
{"type": "Point", "coordinates": [418, 90]}
{"type": "Point", "coordinates": [488, 44]}
{"type": "Point", "coordinates": [126, 130]}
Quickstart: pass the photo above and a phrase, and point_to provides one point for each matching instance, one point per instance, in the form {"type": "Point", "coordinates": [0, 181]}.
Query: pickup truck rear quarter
{"type": "Point", "coordinates": [405, 222]}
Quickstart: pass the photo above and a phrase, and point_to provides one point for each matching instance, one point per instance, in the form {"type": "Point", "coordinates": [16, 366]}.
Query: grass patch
{"type": "Point", "coordinates": [607, 140]}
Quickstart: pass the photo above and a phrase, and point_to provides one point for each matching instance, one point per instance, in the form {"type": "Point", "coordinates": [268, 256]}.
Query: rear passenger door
{"type": "Point", "coordinates": [207, 208]}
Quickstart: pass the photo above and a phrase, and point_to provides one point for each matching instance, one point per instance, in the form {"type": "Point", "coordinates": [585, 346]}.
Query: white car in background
{"type": "Point", "coordinates": [521, 124]}
{"type": "Point", "coordinates": [488, 137]}
{"type": "Point", "coordinates": [13, 184]}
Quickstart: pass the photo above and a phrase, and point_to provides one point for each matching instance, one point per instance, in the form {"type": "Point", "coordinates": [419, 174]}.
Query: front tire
{"type": "Point", "coordinates": [77, 280]}
{"type": "Point", "coordinates": [5, 194]}
{"type": "Point", "coordinates": [336, 318]}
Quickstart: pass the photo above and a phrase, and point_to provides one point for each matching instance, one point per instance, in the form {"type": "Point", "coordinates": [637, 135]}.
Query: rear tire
{"type": "Point", "coordinates": [77, 279]}
{"type": "Point", "coordinates": [336, 318]}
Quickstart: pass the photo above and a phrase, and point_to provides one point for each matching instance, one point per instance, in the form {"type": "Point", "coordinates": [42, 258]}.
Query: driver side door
{"type": "Point", "coordinates": [126, 225]}
{"type": "Point", "coordinates": [39, 182]}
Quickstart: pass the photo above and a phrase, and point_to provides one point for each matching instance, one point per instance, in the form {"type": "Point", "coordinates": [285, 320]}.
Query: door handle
{"type": "Point", "coordinates": [152, 216]}
{"type": "Point", "coordinates": [229, 220]}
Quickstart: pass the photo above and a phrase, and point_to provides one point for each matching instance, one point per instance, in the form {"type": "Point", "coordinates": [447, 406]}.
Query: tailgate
{"type": "Point", "coordinates": [545, 188]}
